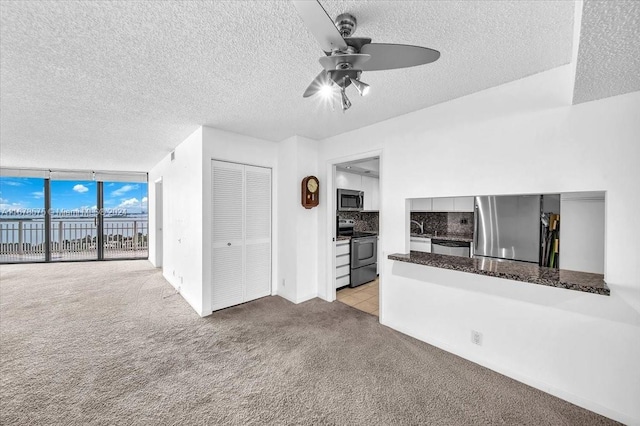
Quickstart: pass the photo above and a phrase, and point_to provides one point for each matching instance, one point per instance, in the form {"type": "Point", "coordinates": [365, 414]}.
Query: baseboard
{"type": "Point", "coordinates": [286, 297]}
{"type": "Point", "coordinates": [305, 298]}
{"type": "Point", "coordinates": [297, 299]}
{"type": "Point", "coordinates": [540, 385]}
{"type": "Point", "coordinates": [186, 297]}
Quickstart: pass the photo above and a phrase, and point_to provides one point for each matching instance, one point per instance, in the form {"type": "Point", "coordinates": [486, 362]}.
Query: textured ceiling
{"type": "Point", "coordinates": [609, 51]}
{"type": "Point", "coordinates": [116, 85]}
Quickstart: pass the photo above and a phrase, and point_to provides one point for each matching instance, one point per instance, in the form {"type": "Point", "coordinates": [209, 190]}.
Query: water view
{"type": "Point", "coordinates": [73, 220]}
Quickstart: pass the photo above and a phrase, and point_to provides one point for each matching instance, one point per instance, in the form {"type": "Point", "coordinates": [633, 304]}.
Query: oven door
{"type": "Point", "coordinates": [350, 200]}
{"type": "Point", "coordinates": [364, 251]}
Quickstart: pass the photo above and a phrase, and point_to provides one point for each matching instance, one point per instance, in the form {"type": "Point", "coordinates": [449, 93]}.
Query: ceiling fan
{"type": "Point", "coordinates": [347, 57]}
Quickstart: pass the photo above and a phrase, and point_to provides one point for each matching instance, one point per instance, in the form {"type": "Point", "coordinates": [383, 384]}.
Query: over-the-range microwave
{"type": "Point", "coordinates": [350, 200]}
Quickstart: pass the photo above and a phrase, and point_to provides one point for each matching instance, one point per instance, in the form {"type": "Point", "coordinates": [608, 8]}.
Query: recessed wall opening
{"type": "Point", "coordinates": [558, 231]}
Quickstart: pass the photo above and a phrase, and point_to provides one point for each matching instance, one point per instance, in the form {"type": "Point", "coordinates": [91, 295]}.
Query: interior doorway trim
{"type": "Point", "coordinates": [159, 214]}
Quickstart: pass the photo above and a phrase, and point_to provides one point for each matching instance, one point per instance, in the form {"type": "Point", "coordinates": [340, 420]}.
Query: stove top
{"type": "Point", "coordinates": [360, 234]}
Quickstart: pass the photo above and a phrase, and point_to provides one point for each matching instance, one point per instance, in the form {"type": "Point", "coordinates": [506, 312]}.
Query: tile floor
{"type": "Point", "coordinates": [364, 297]}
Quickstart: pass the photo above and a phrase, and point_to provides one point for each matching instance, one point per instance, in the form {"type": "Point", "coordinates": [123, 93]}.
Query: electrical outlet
{"type": "Point", "coordinates": [284, 282]}
{"type": "Point", "coordinates": [181, 280]}
{"type": "Point", "coordinates": [174, 272]}
{"type": "Point", "coordinates": [476, 337]}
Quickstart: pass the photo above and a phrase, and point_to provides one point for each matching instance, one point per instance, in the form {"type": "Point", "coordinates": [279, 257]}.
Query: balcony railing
{"type": "Point", "coordinates": [72, 239]}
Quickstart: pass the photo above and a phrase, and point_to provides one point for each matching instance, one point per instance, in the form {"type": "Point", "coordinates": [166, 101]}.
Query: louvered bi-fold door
{"type": "Point", "coordinates": [241, 264]}
{"type": "Point", "coordinates": [228, 234]}
{"type": "Point", "coordinates": [258, 232]}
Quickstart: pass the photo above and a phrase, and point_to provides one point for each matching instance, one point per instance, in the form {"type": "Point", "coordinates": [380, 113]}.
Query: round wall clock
{"type": "Point", "coordinates": [310, 192]}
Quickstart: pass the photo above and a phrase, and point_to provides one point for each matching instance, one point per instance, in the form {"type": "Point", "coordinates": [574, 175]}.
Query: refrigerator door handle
{"type": "Point", "coordinates": [475, 230]}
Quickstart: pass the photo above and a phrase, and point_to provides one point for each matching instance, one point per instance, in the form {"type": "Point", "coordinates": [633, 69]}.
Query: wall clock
{"type": "Point", "coordinates": [310, 192]}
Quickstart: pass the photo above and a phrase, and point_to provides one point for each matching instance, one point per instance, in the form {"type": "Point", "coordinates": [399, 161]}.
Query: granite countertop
{"type": "Point", "coordinates": [448, 237]}
{"type": "Point", "coordinates": [512, 270]}
{"type": "Point", "coordinates": [343, 238]}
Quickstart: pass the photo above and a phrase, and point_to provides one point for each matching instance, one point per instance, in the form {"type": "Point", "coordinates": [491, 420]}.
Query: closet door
{"type": "Point", "coordinates": [258, 232]}
{"type": "Point", "coordinates": [227, 273]}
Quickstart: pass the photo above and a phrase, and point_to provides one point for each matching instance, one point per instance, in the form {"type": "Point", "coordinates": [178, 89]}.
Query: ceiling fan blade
{"type": "Point", "coordinates": [320, 25]}
{"type": "Point", "coordinates": [331, 62]}
{"type": "Point", "coordinates": [389, 56]}
{"type": "Point", "coordinates": [321, 79]}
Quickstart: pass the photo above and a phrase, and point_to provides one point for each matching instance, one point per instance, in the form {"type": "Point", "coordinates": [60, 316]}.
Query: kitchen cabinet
{"type": "Point", "coordinates": [343, 263]}
{"type": "Point", "coordinates": [421, 205]}
{"type": "Point", "coordinates": [420, 244]}
{"type": "Point", "coordinates": [463, 204]}
{"type": "Point", "coordinates": [346, 180]}
{"type": "Point", "coordinates": [371, 188]}
{"type": "Point", "coordinates": [443, 204]}
{"type": "Point", "coordinates": [369, 185]}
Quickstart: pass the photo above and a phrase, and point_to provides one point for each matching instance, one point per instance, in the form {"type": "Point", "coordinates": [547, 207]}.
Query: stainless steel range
{"type": "Point", "coordinates": [364, 252]}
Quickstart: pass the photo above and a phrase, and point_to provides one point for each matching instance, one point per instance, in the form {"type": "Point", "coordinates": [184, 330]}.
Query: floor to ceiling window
{"type": "Point", "coordinates": [22, 226]}
{"type": "Point", "coordinates": [69, 215]}
{"type": "Point", "coordinates": [125, 220]}
{"type": "Point", "coordinates": [74, 220]}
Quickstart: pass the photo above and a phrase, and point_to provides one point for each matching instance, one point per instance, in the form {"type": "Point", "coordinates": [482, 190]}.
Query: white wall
{"type": "Point", "coordinates": [227, 146]}
{"type": "Point", "coordinates": [582, 232]}
{"type": "Point", "coordinates": [182, 217]}
{"type": "Point", "coordinates": [298, 230]}
{"type": "Point", "coordinates": [306, 224]}
{"type": "Point", "coordinates": [522, 137]}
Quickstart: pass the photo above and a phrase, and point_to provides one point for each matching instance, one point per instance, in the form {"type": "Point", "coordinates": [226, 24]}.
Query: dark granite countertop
{"type": "Point", "coordinates": [448, 237]}
{"type": "Point", "coordinates": [518, 271]}
{"type": "Point", "coordinates": [343, 238]}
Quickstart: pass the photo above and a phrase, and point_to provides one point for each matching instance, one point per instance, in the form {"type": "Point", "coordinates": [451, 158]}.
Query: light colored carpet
{"type": "Point", "coordinates": [109, 343]}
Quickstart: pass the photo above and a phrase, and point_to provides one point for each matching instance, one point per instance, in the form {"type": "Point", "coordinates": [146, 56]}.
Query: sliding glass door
{"type": "Point", "coordinates": [74, 220]}
{"type": "Point", "coordinates": [125, 220]}
{"type": "Point", "coordinates": [22, 219]}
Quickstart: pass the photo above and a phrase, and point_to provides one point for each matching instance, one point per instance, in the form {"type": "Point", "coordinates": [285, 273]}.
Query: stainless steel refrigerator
{"type": "Point", "coordinates": [507, 227]}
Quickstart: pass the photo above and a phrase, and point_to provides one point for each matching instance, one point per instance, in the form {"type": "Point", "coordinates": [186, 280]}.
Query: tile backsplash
{"type": "Point", "coordinates": [364, 221]}
{"type": "Point", "coordinates": [443, 222]}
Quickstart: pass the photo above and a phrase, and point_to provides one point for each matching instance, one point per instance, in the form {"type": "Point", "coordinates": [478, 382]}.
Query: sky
{"type": "Point", "coordinates": [28, 193]}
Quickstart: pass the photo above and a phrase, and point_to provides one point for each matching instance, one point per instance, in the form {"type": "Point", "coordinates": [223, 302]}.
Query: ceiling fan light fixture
{"type": "Point", "coordinates": [326, 90]}
{"type": "Point", "coordinates": [362, 88]}
{"type": "Point", "coordinates": [346, 103]}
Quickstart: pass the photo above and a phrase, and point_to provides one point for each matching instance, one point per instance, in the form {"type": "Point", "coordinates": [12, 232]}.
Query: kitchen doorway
{"type": "Point", "coordinates": [365, 297]}
{"type": "Point", "coordinates": [350, 280]}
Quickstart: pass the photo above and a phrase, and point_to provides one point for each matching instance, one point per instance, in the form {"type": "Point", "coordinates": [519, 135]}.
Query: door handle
{"type": "Point", "coordinates": [475, 230]}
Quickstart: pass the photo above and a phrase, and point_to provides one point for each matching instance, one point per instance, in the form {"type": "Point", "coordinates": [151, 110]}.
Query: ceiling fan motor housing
{"type": "Point", "coordinates": [346, 24]}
